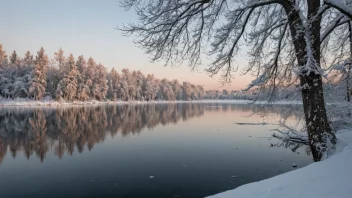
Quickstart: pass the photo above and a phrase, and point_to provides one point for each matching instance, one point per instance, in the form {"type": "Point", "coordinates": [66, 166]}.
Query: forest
{"type": "Point", "coordinates": [69, 79]}
{"type": "Point", "coordinates": [77, 79]}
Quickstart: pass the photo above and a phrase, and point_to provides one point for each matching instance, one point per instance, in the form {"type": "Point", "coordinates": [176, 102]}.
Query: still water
{"type": "Point", "coordinates": [133, 151]}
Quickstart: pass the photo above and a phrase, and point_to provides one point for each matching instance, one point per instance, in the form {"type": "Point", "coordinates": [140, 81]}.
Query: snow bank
{"type": "Point", "coordinates": [326, 179]}
{"type": "Point", "coordinates": [50, 102]}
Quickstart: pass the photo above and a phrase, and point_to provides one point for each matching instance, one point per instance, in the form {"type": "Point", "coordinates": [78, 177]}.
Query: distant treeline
{"type": "Point", "coordinates": [70, 79]}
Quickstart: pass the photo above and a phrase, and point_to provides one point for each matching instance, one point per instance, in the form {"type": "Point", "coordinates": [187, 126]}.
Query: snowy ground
{"type": "Point", "coordinates": [331, 178]}
{"type": "Point", "coordinates": [50, 102]}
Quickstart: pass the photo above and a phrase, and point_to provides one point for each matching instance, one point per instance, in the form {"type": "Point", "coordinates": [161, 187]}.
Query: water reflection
{"type": "Point", "coordinates": [195, 155]}
{"type": "Point", "coordinates": [36, 130]}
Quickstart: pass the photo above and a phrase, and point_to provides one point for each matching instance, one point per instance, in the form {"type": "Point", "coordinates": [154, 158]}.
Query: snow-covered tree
{"type": "Point", "coordinates": [90, 75]}
{"type": "Point", "coordinates": [67, 88]}
{"type": "Point", "coordinates": [24, 75]}
{"type": "Point", "coordinates": [37, 87]}
{"type": "Point", "coordinates": [6, 75]}
{"type": "Point", "coordinates": [61, 60]}
{"type": "Point", "coordinates": [82, 80]}
{"type": "Point", "coordinates": [150, 88]}
{"type": "Point", "coordinates": [81, 64]}
{"type": "Point", "coordinates": [187, 91]}
{"type": "Point", "coordinates": [126, 90]}
{"type": "Point", "coordinates": [167, 93]}
{"type": "Point", "coordinates": [284, 37]}
{"type": "Point", "coordinates": [114, 84]}
{"type": "Point", "coordinates": [53, 78]}
{"type": "Point", "coordinates": [7, 81]}
{"type": "Point", "coordinates": [14, 59]}
{"type": "Point", "coordinates": [200, 93]}
{"type": "Point", "coordinates": [138, 79]}
{"type": "Point", "coordinates": [100, 84]}
{"type": "Point", "coordinates": [177, 89]}
{"type": "Point", "coordinates": [3, 57]}
{"type": "Point", "coordinates": [83, 87]}
{"type": "Point", "coordinates": [28, 59]}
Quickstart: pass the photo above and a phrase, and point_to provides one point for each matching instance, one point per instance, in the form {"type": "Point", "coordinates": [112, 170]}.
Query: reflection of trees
{"type": "Point", "coordinates": [64, 130]}
{"type": "Point", "coordinates": [35, 131]}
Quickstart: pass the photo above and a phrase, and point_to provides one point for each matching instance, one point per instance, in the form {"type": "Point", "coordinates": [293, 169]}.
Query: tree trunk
{"type": "Point", "coordinates": [348, 82]}
{"type": "Point", "coordinates": [321, 137]}
{"type": "Point", "coordinates": [349, 65]}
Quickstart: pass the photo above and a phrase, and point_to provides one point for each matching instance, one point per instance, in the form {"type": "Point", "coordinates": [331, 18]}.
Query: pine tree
{"type": "Point", "coordinates": [83, 88]}
{"type": "Point", "coordinates": [177, 89]}
{"type": "Point", "coordinates": [126, 90]}
{"type": "Point", "coordinates": [3, 57]}
{"type": "Point", "coordinates": [28, 59]}
{"type": "Point", "coordinates": [200, 92]}
{"type": "Point", "coordinates": [81, 64]}
{"type": "Point", "coordinates": [23, 79]}
{"type": "Point", "coordinates": [61, 60]}
{"type": "Point", "coordinates": [89, 75]}
{"type": "Point", "coordinates": [100, 84]}
{"type": "Point", "coordinates": [37, 88]}
{"type": "Point", "coordinates": [150, 87]}
{"type": "Point", "coordinates": [14, 58]}
{"type": "Point", "coordinates": [67, 88]}
{"type": "Point", "coordinates": [53, 78]}
{"type": "Point", "coordinates": [166, 90]}
{"type": "Point", "coordinates": [114, 84]}
{"type": "Point", "coordinates": [138, 79]}
{"type": "Point", "coordinates": [186, 90]}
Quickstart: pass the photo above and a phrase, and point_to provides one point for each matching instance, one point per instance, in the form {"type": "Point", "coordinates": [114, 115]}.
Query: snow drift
{"type": "Point", "coordinates": [326, 179]}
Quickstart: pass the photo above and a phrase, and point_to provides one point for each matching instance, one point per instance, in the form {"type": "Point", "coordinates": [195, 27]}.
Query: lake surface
{"type": "Point", "coordinates": [142, 150]}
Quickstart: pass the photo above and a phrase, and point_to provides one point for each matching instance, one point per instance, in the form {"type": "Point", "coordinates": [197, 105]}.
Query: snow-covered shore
{"type": "Point", "coordinates": [326, 179]}
{"type": "Point", "coordinates": [54, 103]}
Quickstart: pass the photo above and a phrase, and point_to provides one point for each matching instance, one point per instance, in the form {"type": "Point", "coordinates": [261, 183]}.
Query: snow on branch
{"type": "Point", "coordinates": [259, 81]}
{"type": "Point", "coordinates": [341, 6]}
{"type": "Point", "coordinates": [177, 31]}
{"type": "Point", "coordinates": [338, 21]}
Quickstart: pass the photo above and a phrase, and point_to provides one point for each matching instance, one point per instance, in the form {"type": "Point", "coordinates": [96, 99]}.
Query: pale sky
{"type": "Point", "coordinates": [87, 27]}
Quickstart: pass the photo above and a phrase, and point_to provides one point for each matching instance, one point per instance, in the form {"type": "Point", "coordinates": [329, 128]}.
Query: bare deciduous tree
{"type": "Point", "coordinates": [284, 37]}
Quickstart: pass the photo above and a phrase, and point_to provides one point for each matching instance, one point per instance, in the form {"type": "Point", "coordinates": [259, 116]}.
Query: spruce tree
{"type": "Point", "coordinates": [61, 60]}
{"type": "Point", "coordinates": [37, 88]}
{"type": "Point", "coordinates": [67, 88]}
{"type": "Point", "coordinates": [100, 85]}
{"type": "Point", "coordinates": [3, 56]}
{"type": "Point", "coordinates": [28, 59]}
{"type": "Point", "coordinates": [14, 58]}
{"type": "Point", "coordinates": [82, 88]}
{"type": "Point", "coordinates": [89, 75]}
{"type": "Point", "coordinates": [113, 82]}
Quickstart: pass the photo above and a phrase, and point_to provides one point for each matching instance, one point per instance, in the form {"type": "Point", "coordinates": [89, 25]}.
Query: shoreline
{"type": "Point", "coordinates": [327, 178]}
{"type": "Point", "coordinates": [53, 103]}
